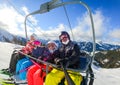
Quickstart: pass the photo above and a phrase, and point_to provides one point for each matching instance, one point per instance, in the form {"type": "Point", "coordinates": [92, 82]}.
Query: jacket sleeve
{"type": "Point", "coordinates": [28, 48]}
{"type": "Point", "coordinates": [75, 55]}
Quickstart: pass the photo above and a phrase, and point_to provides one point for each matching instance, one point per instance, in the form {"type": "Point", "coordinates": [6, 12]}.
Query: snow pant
{"type": "Point", "coordinates": [13, 61]}
{"type": "Point", "coordinates": [36, 75]}
{"type": "Point", "coordinates": [55, 77]}
{"type": "Point", "coordinates": [22, 67]}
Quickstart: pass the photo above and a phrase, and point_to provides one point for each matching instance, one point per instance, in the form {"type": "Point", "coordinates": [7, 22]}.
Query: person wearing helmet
{"type": "Point", "coordinates": [16, 56]}
{"type": "Point", "coordinates": [23, 64]}
{"type": "Point", "coordinates": [68, 54]}
{"type": "Point", "coordinates": [36, 73]}
{"type": "Point", "coordinates": [30, 44]}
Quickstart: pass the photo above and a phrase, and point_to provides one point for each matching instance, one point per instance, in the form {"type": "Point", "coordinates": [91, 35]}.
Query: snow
{"type": "Point", "coordinates": [5, 54]}
{"type": "Point", "coordinates": [106, 60]}
{"type": "Point", "coordinates": [102, 76]}
{"type": "Point", "coordinates": [107, 76]}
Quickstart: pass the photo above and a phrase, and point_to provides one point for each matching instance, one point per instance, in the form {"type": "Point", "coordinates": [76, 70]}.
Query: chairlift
{"type": "Point", "coordinates": [87, 60]}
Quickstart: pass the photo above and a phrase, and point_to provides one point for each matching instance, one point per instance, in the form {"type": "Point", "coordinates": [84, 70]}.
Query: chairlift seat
{"type": "Point", "coordinates": [84, 63]}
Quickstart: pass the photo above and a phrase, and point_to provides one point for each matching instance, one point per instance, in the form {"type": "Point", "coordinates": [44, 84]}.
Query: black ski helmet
{"type": "Point", "coordinates": [64, 33]}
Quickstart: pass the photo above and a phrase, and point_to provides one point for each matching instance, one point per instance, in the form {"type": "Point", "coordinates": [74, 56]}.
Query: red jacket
{"type": "Point", "coordinates": [29, 47]}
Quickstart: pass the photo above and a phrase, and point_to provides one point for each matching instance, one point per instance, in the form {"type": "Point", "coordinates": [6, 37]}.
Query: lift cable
{"type": "Point", "coordinates": [31, 24]}
{"type": "Point", "coordinates": [65, 10]}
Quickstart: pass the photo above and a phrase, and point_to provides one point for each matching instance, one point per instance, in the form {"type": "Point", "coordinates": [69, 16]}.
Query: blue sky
{"type": "Point", "coordinates": [105, 13]}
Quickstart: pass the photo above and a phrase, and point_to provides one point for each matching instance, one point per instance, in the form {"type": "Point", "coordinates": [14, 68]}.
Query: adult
{"type": "Point", "coordinates": [23, 64]}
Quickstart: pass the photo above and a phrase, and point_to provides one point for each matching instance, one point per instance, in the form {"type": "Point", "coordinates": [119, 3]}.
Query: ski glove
{"type": "Point", "coordinates": [59, 60]}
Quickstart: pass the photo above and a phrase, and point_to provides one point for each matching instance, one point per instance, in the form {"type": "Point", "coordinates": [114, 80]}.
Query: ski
{"type": "Point", "coordinates": [15, 83]}
{"type": "Point", "coordinates": [11, 82]}
{"type": "Point", "coordinates": [6, 79]}
{"type": "Point", "coordinates": [9, 79]}
{"type": "Point", "coordinates": [5, 82]}
{"type": "Point", "coordinates": [4, 72]}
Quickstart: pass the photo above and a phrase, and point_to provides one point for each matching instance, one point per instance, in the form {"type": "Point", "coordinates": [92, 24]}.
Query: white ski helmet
{"type": "Point", "coordinates": [53, 42]}
{"type": "Point", "coordinates": [34, 35]}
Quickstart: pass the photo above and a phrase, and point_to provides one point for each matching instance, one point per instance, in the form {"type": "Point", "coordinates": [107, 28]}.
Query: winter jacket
{"type": "Point", "coordinates": [42, 53]}
{"type": "Point", "coordinates": [28, 48]}
{"type": "Point", "coordinates": [38, 51]}
{"type": "Point", "coordinates": [70, 53]}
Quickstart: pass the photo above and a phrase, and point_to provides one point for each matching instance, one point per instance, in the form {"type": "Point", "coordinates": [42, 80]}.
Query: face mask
{"type": "Point", "coordinates": [51, 51]}
{"type": "Point", "coordinates": [65, 43]}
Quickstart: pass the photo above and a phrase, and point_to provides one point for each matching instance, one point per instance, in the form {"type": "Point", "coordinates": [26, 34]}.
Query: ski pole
{"type": "Point", "coordinates": [68, 78]}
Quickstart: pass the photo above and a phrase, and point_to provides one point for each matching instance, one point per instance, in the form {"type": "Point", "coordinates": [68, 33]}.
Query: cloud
{"type": "Point", "coordinates": [51, 33]}
{"type": "Point", "coordinates": [13, 21]}
{"type": "Point", "coordinates": [114, 35]}
{"type": "Point", "coordinates": [84, 29]}
{"type": "Point", "coordinates": [26, 12]}
{"type": "Point", "coordinates": [103, 28]}
{"type": "Point", "coordinates": [10, 18]}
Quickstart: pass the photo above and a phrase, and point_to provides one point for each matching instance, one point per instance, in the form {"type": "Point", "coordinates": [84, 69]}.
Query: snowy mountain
{"type": "Point", "coordinates": [86, 46]}
{"type": "Point", "coordinates": [5, 36]}
{"type": "Point", "coordinates": [102, 76]}
{"type": "Point", "coordinates": [100, 46]}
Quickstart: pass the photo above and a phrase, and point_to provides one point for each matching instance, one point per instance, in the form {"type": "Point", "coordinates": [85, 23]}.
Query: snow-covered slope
{"type": "Point", "coordinates": [106, 76]}
{"type": "Point", "coordinates": [102, 76]}
{"type": "Point", "coordinates": [6, 50]}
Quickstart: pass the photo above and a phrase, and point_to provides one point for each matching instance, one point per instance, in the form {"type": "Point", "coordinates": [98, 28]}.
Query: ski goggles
{"type": "Point", "coordinates": [63, 37]}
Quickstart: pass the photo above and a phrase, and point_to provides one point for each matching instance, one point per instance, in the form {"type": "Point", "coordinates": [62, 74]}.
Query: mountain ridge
{"type": "Point", "coordinates": [5, 36]}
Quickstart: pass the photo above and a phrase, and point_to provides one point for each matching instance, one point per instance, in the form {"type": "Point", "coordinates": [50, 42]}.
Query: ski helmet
{"type": "Point", "coordinates": [34, 35]}
{"type": "Point", "coordinates": [53, 42]}
{"type": "Point", "coordinates": [64, 33]}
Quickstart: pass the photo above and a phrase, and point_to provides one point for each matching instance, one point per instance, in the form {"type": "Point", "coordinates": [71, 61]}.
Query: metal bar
{"type": "Point", "coordinates": [91, 19]}
{"type": "Point", "coordinates": [48, 6]}
{"type": "Point", "coordinates": [26, 35]}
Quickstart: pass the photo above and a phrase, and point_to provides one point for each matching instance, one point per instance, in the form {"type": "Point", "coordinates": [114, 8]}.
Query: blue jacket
{"type": "Point", "coordinates": [38, 51]}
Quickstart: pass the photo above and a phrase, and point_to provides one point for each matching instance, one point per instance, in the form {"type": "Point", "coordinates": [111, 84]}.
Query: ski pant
{"type": "Point", "coordinates": [36, 75]}
{"type": "Point", "coordinates": [13, 61]}
{"type": "Point", "coordinates": [22, 67]}
{"type": "Point", "coordinates": [55, 77]}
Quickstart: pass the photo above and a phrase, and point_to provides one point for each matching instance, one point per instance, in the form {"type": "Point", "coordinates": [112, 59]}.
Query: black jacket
{"type": "Point", "coordinates": [42, 53]}
{"type": "Point", "coordinates": [70, 52]}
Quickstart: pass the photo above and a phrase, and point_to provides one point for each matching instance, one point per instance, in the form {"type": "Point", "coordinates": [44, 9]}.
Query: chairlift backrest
{"type": "Point", "coordinates": [84, 63]}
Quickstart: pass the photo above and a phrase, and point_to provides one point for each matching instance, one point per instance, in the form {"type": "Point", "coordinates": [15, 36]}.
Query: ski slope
{"type": "Point", "coordinates": [102, 76]}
